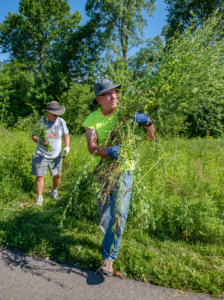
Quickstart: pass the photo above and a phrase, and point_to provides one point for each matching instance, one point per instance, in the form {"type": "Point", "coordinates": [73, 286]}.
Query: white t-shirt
{"type": "Point", "coordinates": [54, 134]}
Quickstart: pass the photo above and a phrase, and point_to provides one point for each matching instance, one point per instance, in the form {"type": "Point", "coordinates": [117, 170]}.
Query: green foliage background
{"type": "Point", "coordinates": [181, 88]}
{"type": "Point", "coordinates": [175, 229]}
{"type": "Point", "coordinates": [181, 13]}
{"type": "Point", "coordinates": [185, 94]}
{"type": "Point", "coordinates": [78, 102]}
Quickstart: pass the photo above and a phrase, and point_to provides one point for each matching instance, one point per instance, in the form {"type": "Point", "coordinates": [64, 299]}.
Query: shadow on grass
{"type": "Point", "coordinates": [37, 231]}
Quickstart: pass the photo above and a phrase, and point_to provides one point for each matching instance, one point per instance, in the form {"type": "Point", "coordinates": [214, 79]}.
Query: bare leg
{"type": "Point", "coordinates": [56, 181]}
{"type": "Point", "coordinates": [39, 183]}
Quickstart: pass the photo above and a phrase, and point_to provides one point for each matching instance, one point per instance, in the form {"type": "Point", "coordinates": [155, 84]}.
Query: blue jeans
{"type": "Point", "coordinates": [113, 212]}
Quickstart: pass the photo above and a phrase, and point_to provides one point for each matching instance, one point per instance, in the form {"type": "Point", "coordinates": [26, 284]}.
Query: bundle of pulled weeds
{"type": "Point", "coordinates": [108, 170]}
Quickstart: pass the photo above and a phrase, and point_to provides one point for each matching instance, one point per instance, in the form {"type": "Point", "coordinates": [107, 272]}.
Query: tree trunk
{"type": "Point", "coordinates": [41, 60]}
{"type": "Point", "coordinates": [125, 51]}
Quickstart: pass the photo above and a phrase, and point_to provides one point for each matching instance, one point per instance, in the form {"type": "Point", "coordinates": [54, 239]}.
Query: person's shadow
{"type": "Point", "coordinates": [43, 268]}
{"type": "Point", "coordinates": [94, 278]}
{"type": "Point", "coordinates": [37, 226]}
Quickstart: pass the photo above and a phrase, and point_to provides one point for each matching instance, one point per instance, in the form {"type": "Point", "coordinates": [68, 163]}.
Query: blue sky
{"type": "Point", "coordinates": [154, 27]}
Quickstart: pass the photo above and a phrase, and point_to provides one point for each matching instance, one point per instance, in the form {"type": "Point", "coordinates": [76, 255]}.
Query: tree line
{"type": "Point", "coordinates": [53, 57]}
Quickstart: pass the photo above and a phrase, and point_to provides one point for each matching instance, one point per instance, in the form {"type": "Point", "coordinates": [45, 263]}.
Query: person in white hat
{"type": "Point", "coordinates": [42, 159]}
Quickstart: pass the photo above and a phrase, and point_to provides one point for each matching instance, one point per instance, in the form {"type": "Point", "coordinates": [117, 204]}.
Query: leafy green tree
{"type": "Point", "coordinates": [82, 51]}
{"type": "Point", "coordinates": [48, 49]}
{"type": "Point", "coordinates": [15, 85]}
{"type": "Point", "coordinates": [122, 22]}
{"type": "Point", "coordinates": [77, 101]}
{"type": "Point", "coordinates": [115, 70]}
{"type": "Point", "coordinates": [5, 91]}
{"type": "Point", "coordinates": [28, 34]}
{"type": "Point", "coordinates": [185, 94]}
{"type": "Point", "coordinates": [180, 13]}
{"type": "Point", "coordinates": [147, 56]}
{"type": "Point", "coordinates": [48, 86]}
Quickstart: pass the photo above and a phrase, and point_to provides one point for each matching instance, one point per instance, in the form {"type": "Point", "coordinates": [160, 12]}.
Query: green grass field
{"type": "Point", "coordinates": [174, 234]}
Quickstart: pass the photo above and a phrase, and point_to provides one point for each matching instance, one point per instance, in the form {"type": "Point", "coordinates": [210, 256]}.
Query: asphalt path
{"type": "Point", "coordinates": [24, 277]}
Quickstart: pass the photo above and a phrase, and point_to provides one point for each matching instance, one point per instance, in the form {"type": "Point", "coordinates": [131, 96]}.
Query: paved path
{"type": "Point", "coordinates": [24, 277]}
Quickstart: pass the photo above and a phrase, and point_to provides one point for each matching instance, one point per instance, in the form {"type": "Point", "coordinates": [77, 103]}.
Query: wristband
{"type": "Point", "coordinates": [150, 123]}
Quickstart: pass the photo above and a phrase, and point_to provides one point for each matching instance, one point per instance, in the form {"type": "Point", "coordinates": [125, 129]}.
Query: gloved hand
{"type": "Point", "coordinates": [113, 151]}
{"type": "Point", "coordinates": [66, 149]}
{"type": "Point", "coordinates": [140, 118]}
{"type": "Point", "coordinates": [43, 142]}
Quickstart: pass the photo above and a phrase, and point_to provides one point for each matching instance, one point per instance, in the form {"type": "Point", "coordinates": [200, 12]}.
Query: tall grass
{"type": "Point", "coordinates": [175, 228]}
{"type": "Point", "coordinates": [181, 197]}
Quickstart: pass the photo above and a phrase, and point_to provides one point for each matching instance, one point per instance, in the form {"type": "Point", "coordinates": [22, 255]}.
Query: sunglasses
{"type": "Point", "coordinates": [108, 94]}
{"type": "Point", "coordinates": [54, 116]}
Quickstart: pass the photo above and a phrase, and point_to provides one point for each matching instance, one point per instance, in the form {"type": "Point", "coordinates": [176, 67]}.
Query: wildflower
{"type": "Point", "coordinates": [138, 93]}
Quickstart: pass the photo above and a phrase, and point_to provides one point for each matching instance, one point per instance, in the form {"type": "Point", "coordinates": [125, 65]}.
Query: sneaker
{"type": "Point", "coordinates": [106, 267]}
{"type": "Point", "coordinates": [54, 195]}
{"type": "Point", "coordinates": [39, 200]}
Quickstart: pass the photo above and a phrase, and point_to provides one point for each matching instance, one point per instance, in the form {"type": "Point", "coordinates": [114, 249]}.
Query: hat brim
{"type": "Point", "coordinates": [58, 112]}
{"type": "Point", "coordinates": [113, 87]}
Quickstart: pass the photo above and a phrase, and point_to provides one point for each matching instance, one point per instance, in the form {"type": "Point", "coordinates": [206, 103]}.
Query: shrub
{"type": "Point", "coordinates": [185, 94]}
{"type": "Point", "coordinates": [15, 91]}
{"type": "Point", "coordinates": [15, 165]}
{"type": "Point", "coordinates": [29, 122]}
{"type": "Point", "coordinates": [77, 102]}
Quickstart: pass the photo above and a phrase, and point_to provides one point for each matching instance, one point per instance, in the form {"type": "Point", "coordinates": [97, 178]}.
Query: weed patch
{"type": "Point", "coordinates": [174, 232]}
